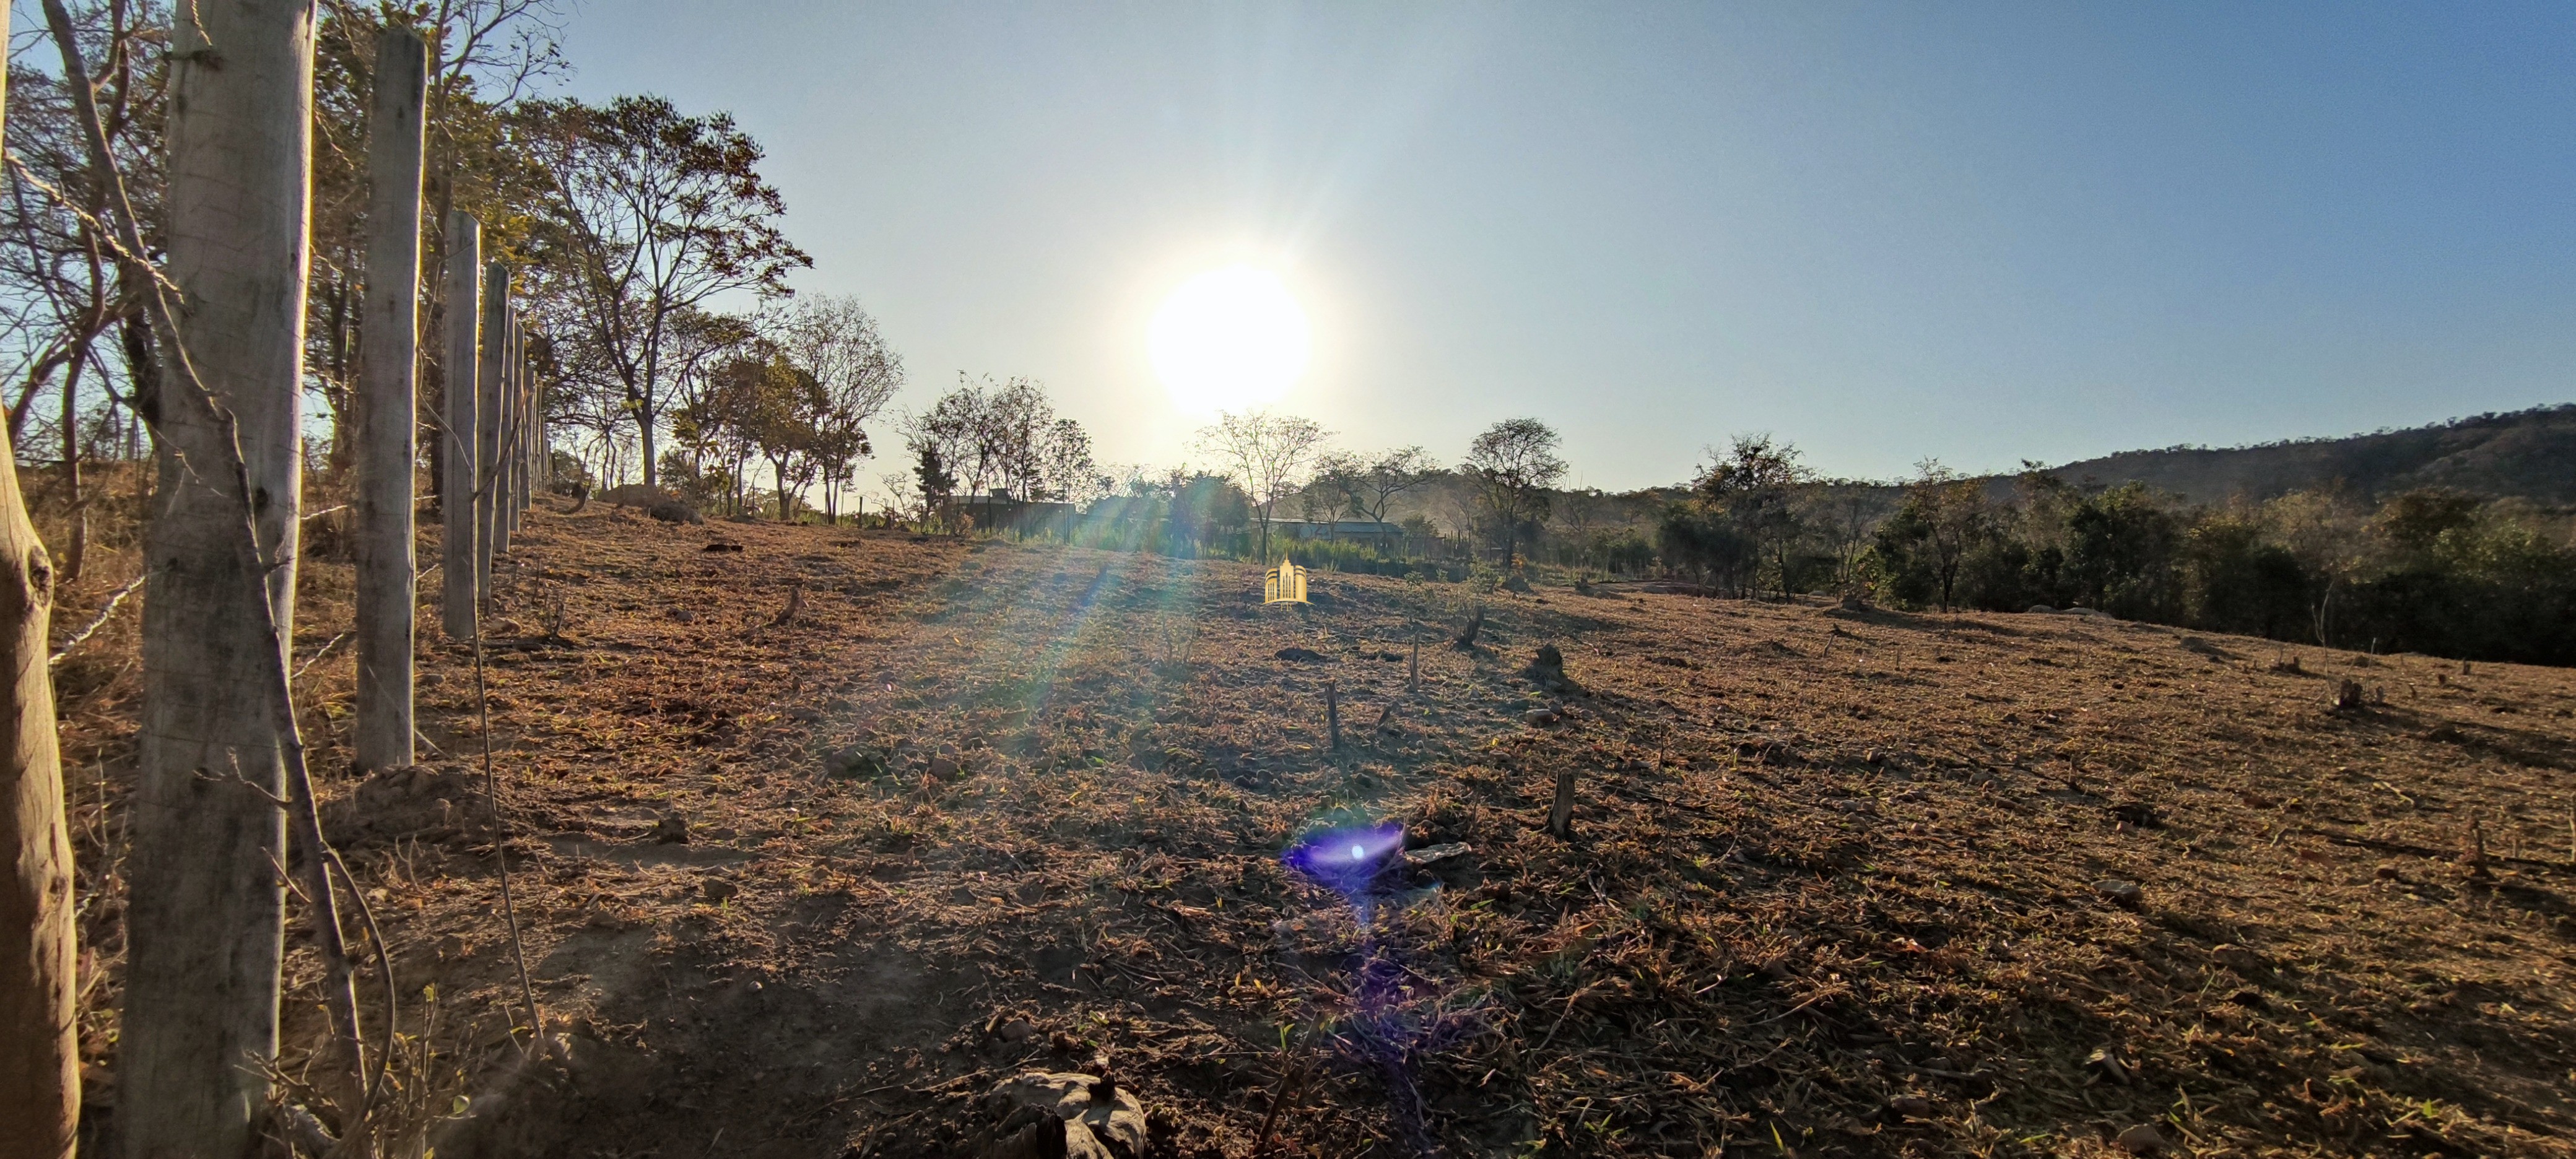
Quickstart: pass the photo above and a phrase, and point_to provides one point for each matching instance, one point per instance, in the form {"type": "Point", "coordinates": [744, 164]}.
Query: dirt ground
{"type": "Point", "coordinates": [1837, 882]}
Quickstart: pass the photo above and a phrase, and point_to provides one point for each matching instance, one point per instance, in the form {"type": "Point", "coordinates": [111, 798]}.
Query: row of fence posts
{"type": "Point", "coordinates": [204, 921]}
{"type": "Point", "coordinates": [495, 461]}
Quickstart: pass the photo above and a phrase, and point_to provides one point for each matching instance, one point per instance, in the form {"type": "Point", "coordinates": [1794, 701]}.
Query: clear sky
{"type": "Point", "coordinates": [1981, 232]}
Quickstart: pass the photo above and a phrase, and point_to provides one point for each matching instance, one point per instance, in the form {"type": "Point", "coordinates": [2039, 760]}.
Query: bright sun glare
{"type": "Point", "coordinates": [1228, 339]}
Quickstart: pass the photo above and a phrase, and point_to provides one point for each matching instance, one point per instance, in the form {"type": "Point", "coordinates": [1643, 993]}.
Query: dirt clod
{"type": "Point", "coordinates": [2124, 894]}
{"type": "Point", "coordinates": [2142, 1139]}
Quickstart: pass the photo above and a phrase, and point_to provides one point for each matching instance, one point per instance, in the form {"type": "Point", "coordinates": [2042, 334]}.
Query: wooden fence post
{"type": "Point", "coordinates": [532, 436]}
{"type": "Point", "coordinates": [491, 416]}
{"type": "Point", "coordinates": [513, 431]}
{"type": "Point", "coordinates": [1560, 816]}
{"type": "Point", "coordinates": [387, 406]}
{"type": "Point", "coordinates": [1333, 714]}
{"type": "Point", "coordinates": [40, 1069]}
{"type": "Point", "coordinates": [460, 549]}
{"type": "Point", "coordinates": [205, 919]}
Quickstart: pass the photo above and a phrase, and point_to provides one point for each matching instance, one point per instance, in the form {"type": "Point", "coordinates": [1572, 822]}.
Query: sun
{"type": "Point", "coordinates": [1230, 339]}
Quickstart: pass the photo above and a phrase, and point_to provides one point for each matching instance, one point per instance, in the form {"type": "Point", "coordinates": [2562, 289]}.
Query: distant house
{"type": "Point", "coordinates": [999, 511]}
{"type": "Point", "coordinates": [1347, 530]}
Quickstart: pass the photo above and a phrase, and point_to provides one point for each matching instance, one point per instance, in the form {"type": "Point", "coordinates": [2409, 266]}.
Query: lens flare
{"type": "Point", "coordinates": [1347, 860]}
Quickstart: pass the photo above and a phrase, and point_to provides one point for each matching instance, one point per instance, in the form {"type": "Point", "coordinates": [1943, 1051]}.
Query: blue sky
{"type": "Point", "coordinates": [1978, 232]}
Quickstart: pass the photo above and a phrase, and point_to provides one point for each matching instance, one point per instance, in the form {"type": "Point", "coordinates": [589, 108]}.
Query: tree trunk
{"type": "Point", "coordinates": [76, 545]}
{"type": "Point", "coordinates": [460, 548]}
{"type": "Point", "coordinates": [387, 404]}
{"type": "Point", "coordinates": [205, 920]}
{"type": "Point", "coordinates": [40, 1069]}
{"type": "Point", "coordinates": [492, 416]}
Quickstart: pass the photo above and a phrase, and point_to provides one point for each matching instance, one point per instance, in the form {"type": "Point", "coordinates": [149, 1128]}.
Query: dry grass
{"type": "Point", "coordinates": [1830, 888]}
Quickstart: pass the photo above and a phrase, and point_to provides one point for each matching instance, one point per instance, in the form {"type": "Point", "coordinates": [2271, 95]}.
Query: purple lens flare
{"type": "Point", "coordinates": [1347, 860]}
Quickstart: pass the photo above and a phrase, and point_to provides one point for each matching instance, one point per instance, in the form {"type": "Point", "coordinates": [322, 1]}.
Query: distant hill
{"type": "Point", "coordinates": [2529, 454]}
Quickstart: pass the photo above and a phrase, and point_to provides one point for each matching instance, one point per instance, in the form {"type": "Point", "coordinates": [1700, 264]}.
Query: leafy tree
{"type": "Point", "coordinates": [2121, 552]}
{"type": "Point", "coordinates": [1942, 517]}
{"type": "Point", "coordinates": [647, 213]}
{"type": "Point", "coordinates": [1514, 463]}
{"type": "Point", "coordinates": [1754, 486]}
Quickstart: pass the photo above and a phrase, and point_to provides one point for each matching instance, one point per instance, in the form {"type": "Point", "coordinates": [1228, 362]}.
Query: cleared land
{"type": "Point", "coordinates": [1831, 886]}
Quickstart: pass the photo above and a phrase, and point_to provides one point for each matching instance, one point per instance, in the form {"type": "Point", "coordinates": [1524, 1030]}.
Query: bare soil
{"type": "Point", "coordinates": [1837, 882]}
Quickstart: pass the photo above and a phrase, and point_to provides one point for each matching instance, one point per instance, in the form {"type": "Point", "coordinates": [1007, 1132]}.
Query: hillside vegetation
{"type": "Point", "coordinates": [2523, 455]}
{"type": "Point", "coordinates": [817, 841]}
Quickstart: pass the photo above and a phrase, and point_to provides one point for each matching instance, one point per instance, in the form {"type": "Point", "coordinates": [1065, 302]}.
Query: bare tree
{"type": "Point", "coordinates": [1514, 464]}
{"type": "Point", "coordinates": [836, 341]}
{"type": "Point", "coordinates": [1065, 464]}
{"type": "Point", "coordinates": [1367, 487]}
{"type": "Point", "coordinates": [1267, 455]}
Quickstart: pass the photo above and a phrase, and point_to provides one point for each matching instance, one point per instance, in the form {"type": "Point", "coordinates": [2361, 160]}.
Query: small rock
{"type": "Point", "coordinates": [1299, 655]}
{"type": "Point", "coordinates": [943, 766]}
{"type": "Point", "coordinates": [672, 829]}
{"type": "Point", "coordinates": [1018, 1030]}
{"type": "Point", "coordinates": [2142, 1139]}
{"type": "Point", "coordinates": [2042, 610]}
{"type": "Point", "coordinates": [2387, 873]}
{"type": "Point", "coordinates": [2124, 894]}
{"type": "Point", "coordinates": [674, 511]}
{"type": "Point", "coordinates": [1540, 716]}
{"type": "Point", "coordinates": [1434, 854]}
{"type": "Point", "coordinates": [718, 889]}
{"type": "Point", "coordinates": [1910, 1107]}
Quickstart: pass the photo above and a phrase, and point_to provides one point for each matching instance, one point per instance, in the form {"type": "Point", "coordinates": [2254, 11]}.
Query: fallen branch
{"type": "Point", "coordinates": [98, 621]}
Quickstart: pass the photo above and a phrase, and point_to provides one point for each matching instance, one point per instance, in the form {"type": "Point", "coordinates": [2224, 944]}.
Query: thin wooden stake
{"type": "Point", "coordinates": [1413, 670]}
{"type": "Point", "coordinates": [1333, 714]}
{"type": "Point", "coordinates": [1560, 817]}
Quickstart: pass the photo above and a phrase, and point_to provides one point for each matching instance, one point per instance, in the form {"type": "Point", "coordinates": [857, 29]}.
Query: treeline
{"type": "Point", "coordinates": [2434, 570]}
